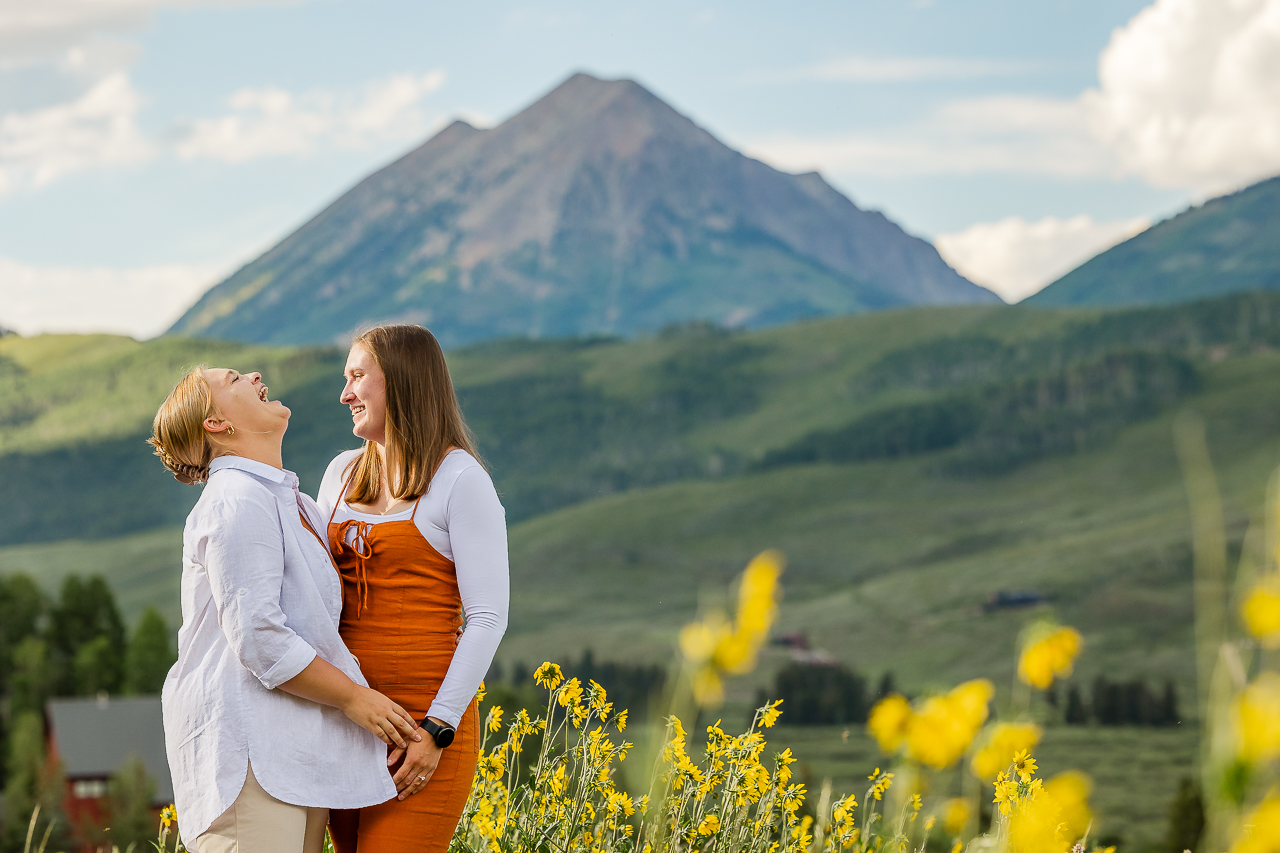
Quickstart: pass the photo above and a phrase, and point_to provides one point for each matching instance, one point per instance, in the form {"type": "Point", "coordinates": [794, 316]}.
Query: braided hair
{"type": "Point", "coordinates": [178, 433]}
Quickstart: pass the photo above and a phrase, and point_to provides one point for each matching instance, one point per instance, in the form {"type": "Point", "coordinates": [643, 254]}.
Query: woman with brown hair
{"type": "Point", "coordinates": [265, 711]}
{"type": "Point", "coordinates": [420, 538]}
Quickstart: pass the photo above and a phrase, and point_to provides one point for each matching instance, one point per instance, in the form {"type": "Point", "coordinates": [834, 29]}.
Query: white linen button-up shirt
{"type": "Point", "coordinates": [260, 600]}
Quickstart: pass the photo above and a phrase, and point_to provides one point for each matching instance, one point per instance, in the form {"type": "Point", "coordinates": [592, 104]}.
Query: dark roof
{"type": "Point", "coordinates": [96, 736]}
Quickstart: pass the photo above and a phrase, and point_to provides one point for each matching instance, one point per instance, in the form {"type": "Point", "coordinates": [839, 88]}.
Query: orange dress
{"type": "Point", "coordinates": [400, 613]}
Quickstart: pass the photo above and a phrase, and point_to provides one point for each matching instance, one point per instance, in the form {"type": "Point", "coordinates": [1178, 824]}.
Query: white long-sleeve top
{"type": "Point", "coordinates": [260, 600]}
{"type": "Point", "coordinates": [462, 518]}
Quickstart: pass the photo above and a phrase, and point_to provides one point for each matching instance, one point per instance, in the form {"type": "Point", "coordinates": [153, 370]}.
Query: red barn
{"type": "Point", "coordinates": [93, 738]}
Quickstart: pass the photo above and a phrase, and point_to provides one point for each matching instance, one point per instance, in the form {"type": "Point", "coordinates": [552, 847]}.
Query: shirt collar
{"type": "Point", "coordinates": [258, 469]}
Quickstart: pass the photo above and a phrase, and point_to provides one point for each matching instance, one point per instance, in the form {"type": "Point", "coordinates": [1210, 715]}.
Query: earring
{"type": "Point", "coordinates": [231, 430]}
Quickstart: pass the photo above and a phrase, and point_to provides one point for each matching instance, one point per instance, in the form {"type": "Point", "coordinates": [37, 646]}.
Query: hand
{"type": "Point", "coordinates": [392, 724]}
{"type": "Point", "coordinates": [420, 760]}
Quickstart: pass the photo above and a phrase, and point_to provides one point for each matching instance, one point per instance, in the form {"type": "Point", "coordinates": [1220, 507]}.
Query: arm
{"type": "Point", "coordinates": [478, 538]}
{"type": "Point", "coordinates": [325, 684]}
{"type": "Point", "coordinates": [244, 558]}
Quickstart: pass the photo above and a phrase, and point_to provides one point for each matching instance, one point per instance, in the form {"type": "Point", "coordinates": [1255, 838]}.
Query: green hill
{"type": "Point", "coordinates": [638, 474]}
{"type": "Point", "coordinates": [911, 464]}
{"type": "Point", "coordinates": [1225, 245]}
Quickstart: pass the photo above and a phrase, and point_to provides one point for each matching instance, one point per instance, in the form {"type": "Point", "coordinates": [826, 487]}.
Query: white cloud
{"type": "Point", "coordinates": [1190, 93]}
{"type": "Point", "coordinates": [96, 129]}
{"type": "Point", "coordinates": [35, 30]}
{"type": "Point", "coordinates": [142, 302]}
{"type": "Point", "coordinates": [1016, 258]}
{"type": "Point", "coordinates": [270, 122]}
{"type": "Point", "coordinates": [1188, 97]}
{"type": "Point", "coordinates": [996, 134]}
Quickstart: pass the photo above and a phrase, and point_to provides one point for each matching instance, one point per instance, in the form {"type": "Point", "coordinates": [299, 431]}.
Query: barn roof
{"type": "Point", "coordinates": [95, 736]}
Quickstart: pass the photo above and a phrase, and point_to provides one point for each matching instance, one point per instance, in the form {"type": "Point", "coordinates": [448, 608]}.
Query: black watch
{"type": "Point", "coordinates": [442, 735]}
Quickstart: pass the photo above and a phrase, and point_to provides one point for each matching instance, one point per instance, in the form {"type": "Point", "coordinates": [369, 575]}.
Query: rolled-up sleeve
{"type": "Point", "coordinates": [245, 564]}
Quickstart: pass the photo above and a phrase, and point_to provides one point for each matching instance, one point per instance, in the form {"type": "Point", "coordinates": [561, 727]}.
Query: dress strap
{"type": "Point", "coordinates": [415, 507]}
{"type": "Point", "coordinates": [333, 513]}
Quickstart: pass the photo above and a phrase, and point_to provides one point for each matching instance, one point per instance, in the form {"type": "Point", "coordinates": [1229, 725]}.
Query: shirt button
{"type": "Point", "coordinates": [243, 591]}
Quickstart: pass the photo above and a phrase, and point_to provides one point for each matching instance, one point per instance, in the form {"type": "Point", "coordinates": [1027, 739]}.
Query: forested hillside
{"type": "Point", "coordinates": [911, 463]}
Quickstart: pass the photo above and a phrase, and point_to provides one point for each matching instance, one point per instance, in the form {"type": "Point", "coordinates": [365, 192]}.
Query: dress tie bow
{"type": "Point", "coordinates": [363, 550]}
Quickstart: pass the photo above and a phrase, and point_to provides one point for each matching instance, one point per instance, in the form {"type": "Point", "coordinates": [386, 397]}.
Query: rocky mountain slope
{"type": "Point", "coordinates": [1227, 244]}
{"type": "Point", "coordinates": [597, 210]}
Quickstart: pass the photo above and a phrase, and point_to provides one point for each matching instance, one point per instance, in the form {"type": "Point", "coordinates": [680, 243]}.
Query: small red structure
{"type": "Point", "coordinates": [93, 738]}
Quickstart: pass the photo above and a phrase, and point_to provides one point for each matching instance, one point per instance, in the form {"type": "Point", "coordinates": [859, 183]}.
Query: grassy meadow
{"type": "Point", "coordinates": [640, 476]}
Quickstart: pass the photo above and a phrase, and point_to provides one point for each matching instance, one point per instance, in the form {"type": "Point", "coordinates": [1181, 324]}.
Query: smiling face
{"type": "Point", "coordinates": [365, 394]}
{"type": "Point", "coordinates": [242, 400]}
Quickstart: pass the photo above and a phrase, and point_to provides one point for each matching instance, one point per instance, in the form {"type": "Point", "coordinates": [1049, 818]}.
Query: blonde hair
{"type": "Point", "coordinates": [178, 434]}
{"type": "Point", "coordinates": [423, 417]}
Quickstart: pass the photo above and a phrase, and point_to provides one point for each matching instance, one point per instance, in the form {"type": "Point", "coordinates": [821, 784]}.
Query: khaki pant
{"type": "Point", "coordinates": [259, 823]}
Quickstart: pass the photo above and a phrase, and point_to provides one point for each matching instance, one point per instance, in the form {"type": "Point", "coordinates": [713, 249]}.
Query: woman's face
{"type": "Point", "coordinates": [365, 394]}
{"type": "Point", "coordinates": [242, 399]}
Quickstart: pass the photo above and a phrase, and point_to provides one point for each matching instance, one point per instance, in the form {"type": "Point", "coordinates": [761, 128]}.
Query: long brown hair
{"type": "Point", "coordinates": [178, 432]}
{"type": "Point", "coordinates": [423, 417]}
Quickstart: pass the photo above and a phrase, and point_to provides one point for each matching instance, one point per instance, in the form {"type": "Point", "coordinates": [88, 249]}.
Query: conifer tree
{"type": "Point", "coordinates": [132, 792]}
{"type": "Point", "coordinates": [1169, 713]}
{"type": "Point", "coordinates": [33, 678]}
{"type": "Point", "coordinates": [1186, 818]}
{"type": "Point", "coordinates": [150, 654]}
{"type": "Point", "coordinates": [1076, 714]}
{"type": "Point", "coordinates": [86, 610]}
{"type": "Point", "coordinates": [21, 606]}
{"type": "Point", "coordinates": [32, 780]}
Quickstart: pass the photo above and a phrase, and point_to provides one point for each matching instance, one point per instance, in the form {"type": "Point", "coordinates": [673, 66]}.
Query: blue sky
{"type": "Point", "coordinates": [148, 147]}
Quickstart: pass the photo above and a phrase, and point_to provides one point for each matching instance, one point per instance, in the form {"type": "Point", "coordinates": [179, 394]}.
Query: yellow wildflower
{"type": "Point", "coordinates": [1055, 818]}
{"type": "Point", "coordinates": [1261, 612]}
{"type": "Point", "coordinates": [880, 784]}
{"type": "Point", "coordinates": [1263, 835]}
{"type": "Point", "coordinates": [1048, 653]}
{"type": "Point", "coordinates": [710, 825]}
{"type": "Point", "coordinates": [887, 722]}
{"type": "Point", "coordinates": [713, 646]}
{"type": "Point", "coordinates": [620, 721]}
{"type": "Point", "coordinates": [940, 731]}
{"type": "Point", "coordinates": [769, 714]}
{"type": "Point", "coordinates": [1003, 742]}
{"type": "Point", "coordinates": [548, 675]}
{"type": "Point", "coordinates": [495, 719]}
{"type": "Point", "coordinates": [1025, 766]}
{"type": "Point", "coordinates": [955, 815]}
{"type": "Point", "coordinates": [1257, 719]}
{"type": "Point", "coordinates": [784, 760]}
{"type": "Point", "coordinates": [1006, 793]}
{"type": "Point", "coordinates": [168, 815]}
{"type": "Point", "coordinates": [570, 694]}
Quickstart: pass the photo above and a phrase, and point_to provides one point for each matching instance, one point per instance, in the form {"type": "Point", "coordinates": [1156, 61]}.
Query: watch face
{"type": "Point", "coordinates": [444, 737]}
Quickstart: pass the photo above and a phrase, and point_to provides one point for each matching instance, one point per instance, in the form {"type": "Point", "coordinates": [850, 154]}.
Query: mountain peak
{"type": "Point", "coordinates": [598, 209]}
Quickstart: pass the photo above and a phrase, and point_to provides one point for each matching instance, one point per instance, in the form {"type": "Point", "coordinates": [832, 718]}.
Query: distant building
{"type": "Point", "coordinates": [93, 738]}
{"type": "Point", "coordinates": [1007, 599]}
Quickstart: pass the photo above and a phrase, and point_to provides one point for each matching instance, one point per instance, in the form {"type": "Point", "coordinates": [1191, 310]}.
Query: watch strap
{"type": "Point", "coordinates": [435, 729]}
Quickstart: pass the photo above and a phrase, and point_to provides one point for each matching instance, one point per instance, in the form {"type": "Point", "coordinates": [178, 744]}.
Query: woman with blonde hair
{"type": "Point", "coordinates": [268, 721]}
{"type": "Point", "coordinates": [420, 537]}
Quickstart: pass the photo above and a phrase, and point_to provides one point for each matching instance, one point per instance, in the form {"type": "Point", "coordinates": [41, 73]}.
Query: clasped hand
{"type": "Point", "coordinates": [371, 710]}
{"type": "Point", "coordinates": [418, 763]}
